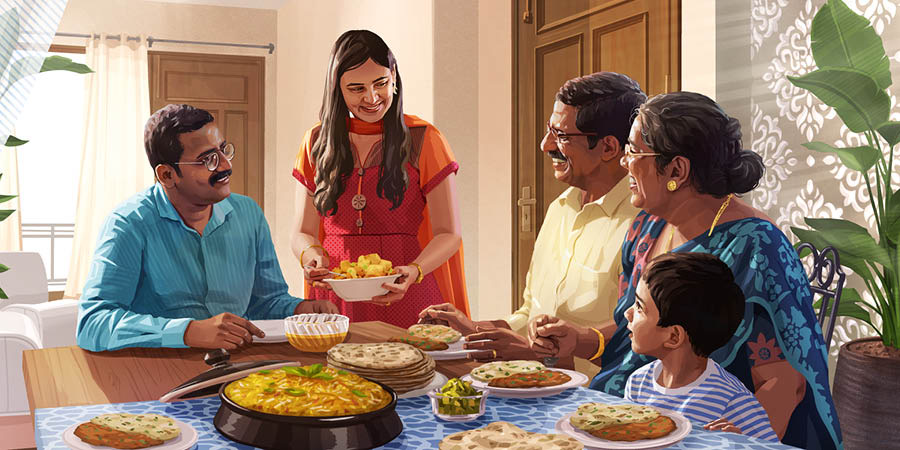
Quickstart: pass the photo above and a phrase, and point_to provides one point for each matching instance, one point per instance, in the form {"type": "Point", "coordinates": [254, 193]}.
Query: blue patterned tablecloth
{"type": "Point", "coordinates": [421, 429]}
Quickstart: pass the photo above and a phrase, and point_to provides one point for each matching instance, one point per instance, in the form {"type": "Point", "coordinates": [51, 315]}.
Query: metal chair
{"type": "Point", "coordinates": [826, 265]}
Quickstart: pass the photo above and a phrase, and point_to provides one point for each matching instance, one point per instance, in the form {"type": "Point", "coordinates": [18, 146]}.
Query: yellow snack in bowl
{"type": "Point", "coordinates": [365, 266]}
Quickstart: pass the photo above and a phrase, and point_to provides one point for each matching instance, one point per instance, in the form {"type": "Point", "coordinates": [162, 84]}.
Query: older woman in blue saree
{"type": "Point", "coordinates": [686, 163]}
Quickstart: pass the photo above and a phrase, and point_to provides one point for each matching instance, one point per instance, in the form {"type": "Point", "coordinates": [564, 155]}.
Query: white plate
{"type": "Point", "coordinates": [274, 330]}
{"type": "Point", "coordinates": [437, 382]}
{"type": "Point", "coordinates": [682, 429]}
{"type": "Point", "coordinates": [456, 351]}
{"type": "Point", "coordinates": [578, 379]}
{"type": "Point", "coordinates": [185, 440]}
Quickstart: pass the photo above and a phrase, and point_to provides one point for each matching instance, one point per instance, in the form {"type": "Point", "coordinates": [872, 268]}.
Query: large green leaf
{"type": "Point", "coordinates": [820, 241]}
{"type": "Point", "coordinates": [57, 62]}
{"type": "Point", "coordinates": [848, 306]}
{"type": "Point", "coordinates": [9, 25]}
{"type": "Point", "coordinates": [6, 198]}
{"type": "Point", "coordinates": [840, 37]}
{"type": "Point", "coordinates": [857, 158]}
{"type": "Point", "coordinates": [891, 220]}
{"type": "Point", "coordinates": [861, 104]}
{"type": "Point", "coordinates": [3, 294]}
{"type": "Point", "coordinates": [4, 213]}
{"type": "Point", "coordinates": [890, 131]}
{"type": "Point", "coordinates": [13, 141]}
{"type": "Point", "coordinates": [850, 239]}
{"type": "Point", "coordinates": [3, 268]}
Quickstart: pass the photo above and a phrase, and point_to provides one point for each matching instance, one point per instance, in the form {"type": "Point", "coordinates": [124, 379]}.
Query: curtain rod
{"type": "Point", "coordinates": [151, 40]}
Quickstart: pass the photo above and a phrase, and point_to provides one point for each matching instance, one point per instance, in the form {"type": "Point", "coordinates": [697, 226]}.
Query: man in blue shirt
{"type": "Point", "coordinates": [185, 263]}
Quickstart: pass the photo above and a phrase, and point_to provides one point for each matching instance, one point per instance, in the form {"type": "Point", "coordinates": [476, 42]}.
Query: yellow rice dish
{"type": "Point", "coordinates": [307, 391]}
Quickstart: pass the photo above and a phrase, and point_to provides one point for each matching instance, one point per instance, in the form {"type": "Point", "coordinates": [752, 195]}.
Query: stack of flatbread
{"type": "Point", "coordinates": [507, 436]}
{"type": "Point", "coordinates": [401, 366]}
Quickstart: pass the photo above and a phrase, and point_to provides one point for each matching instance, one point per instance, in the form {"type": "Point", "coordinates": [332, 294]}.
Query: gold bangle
{"type": "Point", "coordinates": [421, 274]}
{"type": "Point", "coordinates": [601, 347]}
{"type": "Point", "coordinates": [325, 252]}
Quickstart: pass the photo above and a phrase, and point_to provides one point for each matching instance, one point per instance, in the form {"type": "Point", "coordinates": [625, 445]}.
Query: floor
{"type": "Point", "coordinates": [17, 432]}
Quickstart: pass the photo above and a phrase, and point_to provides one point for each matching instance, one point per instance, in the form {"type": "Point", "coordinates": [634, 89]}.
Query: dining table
{"type": "Point", "coordinates": [70, 385]}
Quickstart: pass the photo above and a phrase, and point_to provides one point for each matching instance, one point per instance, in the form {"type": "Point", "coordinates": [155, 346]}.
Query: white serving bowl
{"type": "Point", "coordinates": [360, 289]}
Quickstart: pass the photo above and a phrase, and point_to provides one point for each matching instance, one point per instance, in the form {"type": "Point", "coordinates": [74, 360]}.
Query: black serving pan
{"type": "Point", "coordinates": [272, 431]}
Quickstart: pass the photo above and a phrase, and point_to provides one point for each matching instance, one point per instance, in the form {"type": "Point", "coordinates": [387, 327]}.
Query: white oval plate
{"type": "Point", "coordinates": [274, 330]}
{"type": "Point", "coordinates": [456, 351]}
{"type": "Point", "coordinates": [438, 381]}
{"type": "Point", "coordinates": [185, 440]}
{"type": "Point", "coordinates": [682, 429]}
{"type": "Point", "coordinates": [578, 379]}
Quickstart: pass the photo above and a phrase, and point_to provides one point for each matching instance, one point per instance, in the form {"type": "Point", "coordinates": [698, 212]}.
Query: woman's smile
{"type": "Point", "coordinates": [372, 109]}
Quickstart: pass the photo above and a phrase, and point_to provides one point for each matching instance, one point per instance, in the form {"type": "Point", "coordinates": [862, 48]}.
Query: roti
{"type": "Point", "coordinates": [500, 369]}
{"type": "Point", "coordinates": [154, 425]}
{"type": "Point", "coordinates": [506, 436]}
{"type": "Point", "coordinates": [383, 355]}
{"type": "Point", "coordinates": [425, 344]}
{"type": "Point", "coordinates": [440, 333]}
{"type": "Point", "coordinates": [599, 416]}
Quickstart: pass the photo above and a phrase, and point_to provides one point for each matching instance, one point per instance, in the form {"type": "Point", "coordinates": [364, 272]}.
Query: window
{"type": "Point", "coordinates": [49, 166]}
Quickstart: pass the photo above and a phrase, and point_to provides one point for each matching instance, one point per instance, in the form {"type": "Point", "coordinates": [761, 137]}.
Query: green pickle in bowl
{"type": "Point", "coordinates": [459, 406]}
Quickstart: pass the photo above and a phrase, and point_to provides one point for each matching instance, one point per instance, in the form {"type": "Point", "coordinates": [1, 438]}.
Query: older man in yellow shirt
{"type": "Point", "coordinates": [576, 262]}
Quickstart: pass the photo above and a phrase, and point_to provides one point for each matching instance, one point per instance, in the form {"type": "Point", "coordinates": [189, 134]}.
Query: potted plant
{"type": "Point", "coordinates": [852, 77]}
{"type": "Point", "coordinates": [15, 71]}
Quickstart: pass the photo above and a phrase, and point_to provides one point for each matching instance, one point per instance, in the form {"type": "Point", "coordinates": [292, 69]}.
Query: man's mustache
{"type": "Point", "coordinates": [218, 176]}
{"type": "Point", "coordinates": [556, 154]}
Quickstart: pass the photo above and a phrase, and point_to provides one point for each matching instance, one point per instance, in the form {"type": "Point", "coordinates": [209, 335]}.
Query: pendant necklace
{"type": "Point", "coordinates": [359, 200]}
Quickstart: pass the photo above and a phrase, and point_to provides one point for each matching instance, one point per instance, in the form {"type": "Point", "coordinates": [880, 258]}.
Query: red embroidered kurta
{"type": "Point", "coordinates": [397, 235]}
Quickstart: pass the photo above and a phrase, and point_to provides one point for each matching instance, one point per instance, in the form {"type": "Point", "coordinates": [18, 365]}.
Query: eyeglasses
{"type": "Point", "coordinates": [630, 153]}
{"type": "Point", "coordinates": [212, 160]}
{"type": "Point", "coordinates": [557, 134]}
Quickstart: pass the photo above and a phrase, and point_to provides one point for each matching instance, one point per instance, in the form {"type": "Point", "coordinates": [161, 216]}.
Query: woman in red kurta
{"type": "Point", "coordinates": [379, 182]}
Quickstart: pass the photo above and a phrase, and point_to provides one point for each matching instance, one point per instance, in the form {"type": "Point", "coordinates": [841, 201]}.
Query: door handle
{"type": "Point", "coordinates": [526, 17]}
{"type": "Point", "coordinates": [525, 203]}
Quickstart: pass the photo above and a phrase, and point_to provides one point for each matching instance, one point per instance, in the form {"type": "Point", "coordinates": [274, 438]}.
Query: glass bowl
{"type": "Point", "coordinates": [440, 403]}
{"type": "Point", "coordinates": [316, 333]}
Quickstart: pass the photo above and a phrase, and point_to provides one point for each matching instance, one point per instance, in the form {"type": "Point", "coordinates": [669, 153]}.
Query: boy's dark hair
{"type": "Point", "coordinates": [698, 292]}
{"type": "Point", "coordinates": [162, 129]}
{"type": "Point", "coordinates": [607, 104]}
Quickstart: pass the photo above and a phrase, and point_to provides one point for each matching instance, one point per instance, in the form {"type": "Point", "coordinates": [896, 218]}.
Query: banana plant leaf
{"type": "Point", "coordinates": [890, 131]}
{"type": "Point", "coordinates": [6, 198]}
{"type": "Point", "coordinates": [3, 294]}
{"type": "Point", "coordinates": [857, 158]}
{"type": "Point", "coordinates": [851, 239]}
{"type": "Point", "coordinates": [56, 62]}
{"type": "Point", "coordinates": [4, 213]}
{"type": "Point", "coordinates": [9, 23]}
{"type": "Point", "coordinates": [820, 241]}
{"type": "Point", "coordinates": [841, 38]}
{"type": "Point", "coordinates": [849, 306]}
{"type": "Point", "coordinates": [855, 96]}
{"type": "Point", "coordinates": [13, 141]}
{"type": "Point", "coordinates": [891, 219]}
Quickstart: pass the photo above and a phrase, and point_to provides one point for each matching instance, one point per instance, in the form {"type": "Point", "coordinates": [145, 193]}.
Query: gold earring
{"type": "Point", "coordinates": [395, 88]}
{"type": "Point", "coordinates": [671, 185]}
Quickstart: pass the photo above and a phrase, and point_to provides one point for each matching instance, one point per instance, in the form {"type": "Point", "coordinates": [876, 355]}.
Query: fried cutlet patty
{"type": "Point", "coordinates": [100, 435]}
{"type": "Point", "coordinates": [542, 378]}
{"type": "Point", "coordinates": [425, 344]}
{"type": "Point", "coordinates": [656, 428]}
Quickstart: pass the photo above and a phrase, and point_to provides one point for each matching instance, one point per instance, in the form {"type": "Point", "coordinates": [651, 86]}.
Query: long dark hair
{"type": "Point", "coordinates": [331, 152]}
{"type": "Point", "coordinates": [694, 126]}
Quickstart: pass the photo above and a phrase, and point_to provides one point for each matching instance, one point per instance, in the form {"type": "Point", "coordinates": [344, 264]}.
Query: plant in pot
{"type": "Point", "coordinates": [852, 77]}
{"type": "Point", "coordinates": [14, 70]}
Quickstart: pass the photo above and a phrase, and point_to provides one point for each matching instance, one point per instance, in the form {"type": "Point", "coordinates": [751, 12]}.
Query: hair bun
{"type": "Point", "coordinates": [744, 171]}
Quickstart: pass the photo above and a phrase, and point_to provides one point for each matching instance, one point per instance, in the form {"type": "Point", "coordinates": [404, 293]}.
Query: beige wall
{"type": "Point", "coordinates": [698, 47]}
{"type": "Point", "coordinates": [306, 32]}
{"type": "Point", "coordinates": [189, 23]}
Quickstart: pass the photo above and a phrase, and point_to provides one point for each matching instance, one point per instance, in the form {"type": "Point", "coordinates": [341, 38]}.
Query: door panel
{"type": "Point", "coordinates": [559, 40]}
{"type": "Point", "coordinates": [231, 89]}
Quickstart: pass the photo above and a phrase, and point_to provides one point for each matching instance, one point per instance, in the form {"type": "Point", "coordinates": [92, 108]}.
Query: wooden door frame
{"type": "Point", "coordinates": [260, 61]}
{"type": "Point", "coordinates": [515, 15]}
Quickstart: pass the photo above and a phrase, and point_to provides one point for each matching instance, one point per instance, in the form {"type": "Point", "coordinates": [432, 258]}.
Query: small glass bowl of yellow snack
{"type": "Point", "coordinates": [458, 401]}
{"type": "Point", "coordinates": [361, 280]}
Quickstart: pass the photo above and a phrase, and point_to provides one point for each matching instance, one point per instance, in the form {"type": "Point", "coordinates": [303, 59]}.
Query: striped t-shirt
{"type": "Point", "coordinates": [713, 395]}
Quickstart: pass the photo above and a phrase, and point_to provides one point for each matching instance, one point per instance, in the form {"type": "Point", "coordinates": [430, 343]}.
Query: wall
{"type": "Point", "coordinates": [190, 23]}
{"type": "Point", "coordinates": [698, 47]}
{"type": "Point", "coordinates": [306, 33]}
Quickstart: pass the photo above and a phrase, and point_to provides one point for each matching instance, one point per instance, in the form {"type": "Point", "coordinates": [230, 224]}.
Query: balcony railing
{"type": "Point", "coordinates": [54, 242]}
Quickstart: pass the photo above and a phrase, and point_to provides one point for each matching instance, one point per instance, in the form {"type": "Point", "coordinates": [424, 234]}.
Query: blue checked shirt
{"type": "Point", "coordinates": [152, 274]}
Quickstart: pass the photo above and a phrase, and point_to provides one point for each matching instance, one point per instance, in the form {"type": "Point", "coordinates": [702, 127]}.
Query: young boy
{"type": "Point", "coordinates": [686, 306]}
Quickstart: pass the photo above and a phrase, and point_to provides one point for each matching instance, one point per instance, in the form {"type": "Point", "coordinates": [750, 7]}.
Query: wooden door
{"type": "Point", "coordinates": [232, 89]}
{"type": "Point", "coordinates": [557, 40]}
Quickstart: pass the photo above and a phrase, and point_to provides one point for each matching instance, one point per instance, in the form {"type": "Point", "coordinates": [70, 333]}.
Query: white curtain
{"type": "Point", "coordinates": [11, 228]}
{"type": "Point", "coordinates": [113, 163]}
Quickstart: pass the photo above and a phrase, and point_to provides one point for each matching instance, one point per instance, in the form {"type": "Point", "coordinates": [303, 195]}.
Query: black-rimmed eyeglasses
{"type": "Point", "coordinates": [212, 159]}
{"type": "Point", "coordinates": [559, 134]}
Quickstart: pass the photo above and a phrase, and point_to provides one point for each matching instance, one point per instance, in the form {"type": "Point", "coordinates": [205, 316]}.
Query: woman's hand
{"type": "Point", "coordinates": [398, 289]}
{"type": "Point", "coordinates": [315, 267]}
{"type": "Point", "coordinates": [447, 314]}
{"type": "Point", "coordinates": [722, 425]}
